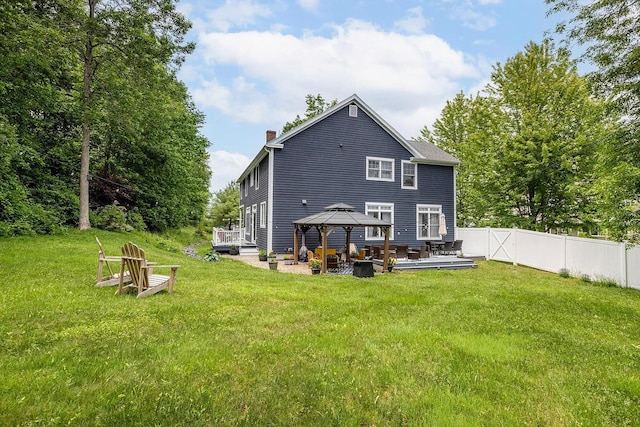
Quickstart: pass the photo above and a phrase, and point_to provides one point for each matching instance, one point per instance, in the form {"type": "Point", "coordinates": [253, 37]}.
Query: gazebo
{"type": "Point", "coordinates": [339, 215]}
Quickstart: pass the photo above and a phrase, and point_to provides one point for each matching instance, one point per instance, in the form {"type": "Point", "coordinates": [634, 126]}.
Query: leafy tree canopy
{"type": "Point", "coordinates": [315, 105]}
{"type": "Point", "coordinates": [225, 206]}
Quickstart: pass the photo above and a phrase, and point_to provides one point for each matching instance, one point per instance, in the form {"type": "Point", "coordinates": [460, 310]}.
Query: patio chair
{"type": "Point", "coordinates": [425, 250]}
{"type": "Point", "coordinates": [103, 261]}
{"type": "Point", "coordinates": [402, 251]}
{"type": "Point", "coordinates": [457, 246]}
{"type": "Point", "coordinates": [332, 262]}
{"type": "Point", "coordinates": [448, 248]}
{"type": "Point", "coordinates": [143, 280]}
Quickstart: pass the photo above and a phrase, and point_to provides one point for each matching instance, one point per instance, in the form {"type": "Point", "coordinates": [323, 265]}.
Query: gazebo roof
{"type": "Point", "coordinates": [341, 215]}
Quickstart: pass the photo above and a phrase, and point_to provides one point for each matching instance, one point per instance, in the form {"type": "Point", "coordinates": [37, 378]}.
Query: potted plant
{"type": "Point", "coordinates": [233, 250]}
{"type": "Point", "coordinates": [288, 259]}
{"type": "Point", "coordinates": [316, 265]}
{"type": "Point", "coordinates": [262, 255]}
{"type": "Point", "coordinates": [390, 263]}
{"type": "Point", "coordinates": [273, 263]}
{"type": "Point", "coordinates": [354, 255]}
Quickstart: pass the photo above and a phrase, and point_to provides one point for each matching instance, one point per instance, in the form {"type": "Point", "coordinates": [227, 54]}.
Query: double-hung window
{"type": "Point", "coordinates": [263, 214]}
{"type": "Point", "coordinates": [428, 221]}
{"type": "Point", "coordinates": [409, 176]}
{"type": "Point", "coordinates": [383, 211]}
{"type": "Point", "coordinates": [379, 169]}
{"type": "Point", "coordinates": [256, 172]}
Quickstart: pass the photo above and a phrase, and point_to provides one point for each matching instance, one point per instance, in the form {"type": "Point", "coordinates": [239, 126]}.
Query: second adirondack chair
{"type": "Point", "coordinates": [112, 278]}
{"type": "Point", "coordinates": [143, 278]}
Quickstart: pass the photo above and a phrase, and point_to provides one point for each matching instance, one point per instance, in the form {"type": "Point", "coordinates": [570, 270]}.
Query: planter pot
{"type": "Point", "coordinates": [273, 265]}
{"type": "Point", "coordinates": [235, 251]}
{"type": "Point", "coordinates": [262, 257]}
{"type": "Point", "coordinates": [288, 262]}
{"type": "Point", "coordinates": [315, 271]}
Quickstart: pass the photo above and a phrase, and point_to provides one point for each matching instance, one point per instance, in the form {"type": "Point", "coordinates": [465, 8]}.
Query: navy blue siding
{"type": "Point", "coordinates": [326, 164]}
{"type": "Point", "coordinates": [257, 196]}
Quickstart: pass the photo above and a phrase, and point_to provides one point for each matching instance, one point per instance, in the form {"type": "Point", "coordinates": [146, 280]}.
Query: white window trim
{"type": "Point", "coordinates": [241, 225]}
{"type": "Point", "coordinates": [251, 174]}
{"type": "Point", "coordinates": [415, 176]}
{"type": "Point", "coordinates": [438, 208]}
{"type": "Point", "coordinates": [246, 188]}
{"type": "Point", "coordinates": [353, 110]}
{"type": "Point", "coordinates": [380, 160]}
{"type": "Point", "coordinates": [263, 214]}
{"type": "Point", "coordinates": [366, 211]}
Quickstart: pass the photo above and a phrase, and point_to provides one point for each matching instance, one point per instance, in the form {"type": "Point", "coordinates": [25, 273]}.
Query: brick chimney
{"type": "Point", "coordinates": [271, 134]}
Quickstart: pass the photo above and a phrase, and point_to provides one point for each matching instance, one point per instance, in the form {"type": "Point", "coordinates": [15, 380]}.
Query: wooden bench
{"type": "Point", "coordinates": [143, 278]}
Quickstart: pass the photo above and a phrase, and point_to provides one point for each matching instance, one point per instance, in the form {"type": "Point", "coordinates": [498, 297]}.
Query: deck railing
{"type": "Point", "coordinates": [226, 237]}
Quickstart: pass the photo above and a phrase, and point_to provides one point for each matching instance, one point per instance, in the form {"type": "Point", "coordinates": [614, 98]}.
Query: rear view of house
{"type": "Point", "coordinates": [347, 154]}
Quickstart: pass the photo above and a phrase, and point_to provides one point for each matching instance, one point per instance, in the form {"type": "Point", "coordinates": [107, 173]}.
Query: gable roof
{"type": "Point", "coordinates": [422, 152]}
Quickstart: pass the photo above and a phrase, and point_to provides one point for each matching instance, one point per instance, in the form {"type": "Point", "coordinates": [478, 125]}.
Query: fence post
{"type": "Point", "coordinates": [515, 246]}
{"type": "Point", "coordinates": [564, 251]}
{"type": "Point", "coordinates": [623, 262]}
{"type": "Point", "coordinates": [488, 256]}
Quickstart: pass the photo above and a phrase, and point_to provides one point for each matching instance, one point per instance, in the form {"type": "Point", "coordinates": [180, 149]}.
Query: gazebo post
{"type": "Point", "coordinates": [348, 248]}
{"type": "Point", "coordinates": [295, 244]}
{"type": "Point", "coordinates": [324, 229]}
{"type": "Point", "coordinates": [385, 262]}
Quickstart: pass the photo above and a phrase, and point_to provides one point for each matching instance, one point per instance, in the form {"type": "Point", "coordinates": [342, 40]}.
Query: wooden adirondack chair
{"type": "Point", "coordinates": [143, 279]}
{"type": "Point", "coordinates": [103, 261]}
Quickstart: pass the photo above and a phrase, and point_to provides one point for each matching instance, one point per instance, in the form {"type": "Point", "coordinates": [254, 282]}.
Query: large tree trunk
{"type": "Point", "coordinates": [83, 221]}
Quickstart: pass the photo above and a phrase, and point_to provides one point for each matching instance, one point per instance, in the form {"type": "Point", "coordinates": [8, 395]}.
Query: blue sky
{"type": "Point", "coordinates": [256, 60]}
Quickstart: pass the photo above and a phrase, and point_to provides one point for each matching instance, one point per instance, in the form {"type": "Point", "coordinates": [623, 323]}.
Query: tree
{"type": "Point", "coordinates": [470, 129]}
{"type": "Point", "coordinates": [225, 205]}
{"type": "Point", "coordinates": [134, 34]}
{"type": "Point", "coordinates": [527, 144]}
{"type": "Point", "coordinates": [315, 105]}
{"type": "Point", "coordinates": [146, 152]}
{"type": "Point", "coordinates": [610, 32]}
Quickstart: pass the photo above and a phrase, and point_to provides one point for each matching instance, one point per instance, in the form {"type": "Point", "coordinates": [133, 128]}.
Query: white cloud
{"type": "Point", "coordinates": [309, 4]}
{"type": "Point", "coordinates": [226, 167]}
{"type": "Point", "coordinates": [236, 13]}
{"type": "Point", "coordinates": [486, 2]}
{"type": "Point", "coordinates": [401, 76]}
{"type": "Point", "coordinates": [473, 19]}
{"type": "Point", "coordinates": [414, 23]}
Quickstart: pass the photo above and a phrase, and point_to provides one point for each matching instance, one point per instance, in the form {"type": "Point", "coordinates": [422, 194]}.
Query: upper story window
{"type": "Point", "coordinates": [428, 221]}
{"type": "Point", "coordinates": [353, 110]}
{"type": "Point", "coordinates": [256, 172]}
{"type": "Point", "coordinates": [379, 169]}
{"type": "Point", "coordinates": [246, 187]}
{"type": "Point", "coordinates": [409, 176]}
{"type": "Point", "coordinates": [253, 172]}
{"type": "Point", "coordinates": [383, 211]}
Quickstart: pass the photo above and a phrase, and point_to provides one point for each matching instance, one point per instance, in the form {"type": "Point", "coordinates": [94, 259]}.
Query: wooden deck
{"type": "Point", "coordinates": [438, 262]}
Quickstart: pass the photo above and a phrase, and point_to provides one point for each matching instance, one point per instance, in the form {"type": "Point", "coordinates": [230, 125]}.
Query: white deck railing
{"type": "Point", "coordinates": [226, 237]}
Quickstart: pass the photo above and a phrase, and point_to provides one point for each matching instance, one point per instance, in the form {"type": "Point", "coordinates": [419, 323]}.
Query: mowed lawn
{"type": "Point", "coordinates": [237, 345]}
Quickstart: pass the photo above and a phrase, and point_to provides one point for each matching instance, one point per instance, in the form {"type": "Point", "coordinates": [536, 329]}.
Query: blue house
{"type": "Point", "coordinates": [347, 154]}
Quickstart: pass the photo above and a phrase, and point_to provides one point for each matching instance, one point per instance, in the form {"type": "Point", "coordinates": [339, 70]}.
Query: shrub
{"type": "Point", "coordinates": [212, 256]}
{"type": "Point", "coordinates": [564, 273]}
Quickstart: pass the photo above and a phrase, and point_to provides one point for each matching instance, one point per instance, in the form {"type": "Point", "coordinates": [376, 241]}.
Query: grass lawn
{"type": "Point", "coordinates": [236, 345]}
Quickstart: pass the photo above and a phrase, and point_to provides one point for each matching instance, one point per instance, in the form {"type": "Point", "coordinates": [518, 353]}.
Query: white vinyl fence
{"type": "Point", "coordinates": [599, 259]}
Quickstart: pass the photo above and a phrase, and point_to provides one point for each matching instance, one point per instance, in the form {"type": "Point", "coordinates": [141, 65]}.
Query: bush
{"type": "Point", "coordinates": [212, 256]}
{"type": "Point", "coordinates": [117, 218]}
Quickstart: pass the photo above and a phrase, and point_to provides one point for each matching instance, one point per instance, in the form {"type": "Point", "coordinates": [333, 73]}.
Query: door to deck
{"type": "Point", "coordinates": [250, 224]}
{"type": "Point", "coordinates": [248, 227]}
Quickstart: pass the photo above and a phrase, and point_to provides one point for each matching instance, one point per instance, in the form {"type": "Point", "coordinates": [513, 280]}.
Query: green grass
{"type": "Point", "coordinates": [236, 345]}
